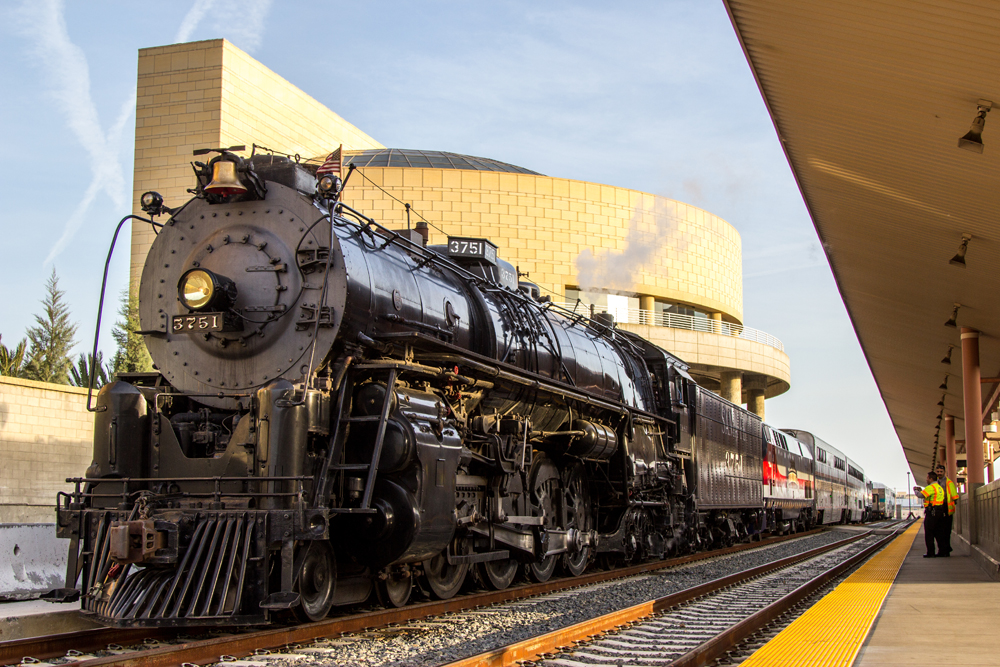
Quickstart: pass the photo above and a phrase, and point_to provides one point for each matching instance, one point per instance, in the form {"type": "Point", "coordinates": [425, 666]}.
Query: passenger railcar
{"type": "Point", "coordinates": [836, 496]}
{"type": "Point", "coordinates": [789, 481]}
{"type": "Point", "coordinates": [883, 501]}
{"type": "Point", "coordinates": [858, 498]}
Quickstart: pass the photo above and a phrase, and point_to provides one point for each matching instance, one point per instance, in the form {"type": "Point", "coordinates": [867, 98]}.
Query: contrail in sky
{"type": "Point", "coordinates": [65, 65]}
{"type": "Point", "coordinates": [192, 19]}
{"type": "Point", "coordinates": [243, 22]}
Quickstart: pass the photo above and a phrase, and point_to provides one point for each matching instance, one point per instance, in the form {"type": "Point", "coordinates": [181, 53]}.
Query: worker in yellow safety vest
{"type": "Point", "coordinates": [935, 507]}
{"type": "Point", "coordinates": [951, 495]}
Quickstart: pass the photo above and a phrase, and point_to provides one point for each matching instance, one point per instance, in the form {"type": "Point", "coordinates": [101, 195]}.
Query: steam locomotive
{"type": "Point", "coordinates": [340, 410]}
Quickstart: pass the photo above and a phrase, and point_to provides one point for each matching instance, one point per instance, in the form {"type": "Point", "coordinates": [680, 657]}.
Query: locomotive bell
{"type": "Point", "coordinates": [225, 182]}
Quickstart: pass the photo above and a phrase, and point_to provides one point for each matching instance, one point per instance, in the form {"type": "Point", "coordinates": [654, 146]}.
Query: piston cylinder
{"type": "Point", "coordinates": [598, 441]}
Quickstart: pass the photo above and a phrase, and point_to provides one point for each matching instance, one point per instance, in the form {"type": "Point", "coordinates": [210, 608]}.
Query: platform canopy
{"type": "Point", "coordinates": [869, 99]}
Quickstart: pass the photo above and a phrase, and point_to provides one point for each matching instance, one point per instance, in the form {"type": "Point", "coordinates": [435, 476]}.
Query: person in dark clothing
{"type": "Point", "coordinates": [934, 516]}
{"type": "Point", "coordinates": [951, 498]}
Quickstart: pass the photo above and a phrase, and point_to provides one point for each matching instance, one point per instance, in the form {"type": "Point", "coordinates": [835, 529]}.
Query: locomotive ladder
{"type": "Point", "coordinates": [339, 437]}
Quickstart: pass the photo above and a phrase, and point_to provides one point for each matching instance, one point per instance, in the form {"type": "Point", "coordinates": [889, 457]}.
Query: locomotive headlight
{"type": "Point", "coordinates": [329, 185]}
{"type": "Point", "coordinates": [196, 289]}
{"type": "Point", "coordinates": [151, 202]}
{"type": "Point", "coordinates": [200, 289]}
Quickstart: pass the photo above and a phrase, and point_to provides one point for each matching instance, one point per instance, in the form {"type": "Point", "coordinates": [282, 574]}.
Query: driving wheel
{"type": "Point", "coordinates": [576, 496]}
{"type": "Point", "coordinates": [545, 491]}
{"type": "Point", "coordinates": [497, 574]}
{"type": "Point", "coordinates": [443, 578]}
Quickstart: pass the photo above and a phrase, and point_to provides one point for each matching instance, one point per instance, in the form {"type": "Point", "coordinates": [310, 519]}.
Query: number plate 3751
{"type": "Point", "coordinates": [197, 323]}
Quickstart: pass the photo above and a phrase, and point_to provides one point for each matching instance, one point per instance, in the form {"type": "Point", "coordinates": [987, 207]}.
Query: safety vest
{"type": "Point", "coordinates": [934, 495]}
{"type": "Point", "coordinates": [952, 494]}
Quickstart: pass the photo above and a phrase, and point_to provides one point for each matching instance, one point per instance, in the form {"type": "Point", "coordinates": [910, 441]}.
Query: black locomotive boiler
{"type": "Point", "coordinates": [339, 410]}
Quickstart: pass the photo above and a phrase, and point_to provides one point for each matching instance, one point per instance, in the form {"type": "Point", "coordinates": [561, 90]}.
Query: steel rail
{"type": "Point", "coordinates": [13, 651]}
{"type": "Point", "coordinates": [545, 646]}
{"type": "Point", "coordinates": [209, 650]}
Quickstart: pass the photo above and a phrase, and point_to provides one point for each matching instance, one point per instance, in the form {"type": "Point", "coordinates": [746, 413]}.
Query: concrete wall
{"type": "Point", "coordinates": [209, 95]}
{"type": "Point", "coordinates": [32, 560]}
{"type": "Point", "coordinates": [46, 435]}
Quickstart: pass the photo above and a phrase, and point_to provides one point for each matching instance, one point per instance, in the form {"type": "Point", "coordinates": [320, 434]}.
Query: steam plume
{"type": "Point", "coordinates": [619, 271]}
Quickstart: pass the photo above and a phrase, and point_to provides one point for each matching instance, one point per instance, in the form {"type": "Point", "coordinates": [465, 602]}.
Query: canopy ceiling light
{"type": "Point", "coordinates": [947, 357]}
{"type": "Point", "coordinates": [953, 321]}
{"type": "Point", "coordinates": [944, 385]}
{"type": "Point", "coordinates": [973, 139]}
{"type": "Point", "coordinates": [959, 258]}
{"type": "Point", "coordinates": [941, 402]}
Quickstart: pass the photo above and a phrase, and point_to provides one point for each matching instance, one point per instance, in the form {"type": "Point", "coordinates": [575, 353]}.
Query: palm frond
{"type": "Point", "coordinates": [12, 359]}
{"type": "Point", "coordinates": [80, 374]}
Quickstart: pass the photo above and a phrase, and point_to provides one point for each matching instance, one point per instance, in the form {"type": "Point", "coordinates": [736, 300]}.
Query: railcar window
{"type": "Point", "coordinates": [839, 463]}
{"type": "Point", "coordinates": [821, 455]}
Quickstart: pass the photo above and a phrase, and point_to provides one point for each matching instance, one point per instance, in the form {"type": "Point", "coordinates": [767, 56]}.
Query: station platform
{"type": "Point", "coordinates": [898, 609]}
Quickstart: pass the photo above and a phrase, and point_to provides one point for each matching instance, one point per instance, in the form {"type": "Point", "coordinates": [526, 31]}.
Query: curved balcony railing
{"type": "Point", "coordinates": [677, 321]}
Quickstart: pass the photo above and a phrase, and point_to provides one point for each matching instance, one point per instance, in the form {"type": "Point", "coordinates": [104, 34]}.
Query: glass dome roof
{"type": "Point", "coordinates": [399, 157]}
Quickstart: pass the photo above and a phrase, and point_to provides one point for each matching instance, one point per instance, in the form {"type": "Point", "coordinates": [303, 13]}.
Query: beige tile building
{"type": "Point", "coordinates": [668, 270]}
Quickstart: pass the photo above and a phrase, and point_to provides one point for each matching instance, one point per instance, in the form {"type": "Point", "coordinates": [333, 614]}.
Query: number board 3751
{"type": "Point", "coordinates": [472, 249]}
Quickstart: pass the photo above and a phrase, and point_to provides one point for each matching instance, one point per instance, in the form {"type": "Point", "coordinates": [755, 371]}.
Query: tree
{"type": "Point", "coordinates": [131, 356]}
{"type": "Point", "coordinates": [52, 338]}
{"type": "Point", "coordinates": [80, 374]}
{"type": "Point", "coordinates": [12, 359]}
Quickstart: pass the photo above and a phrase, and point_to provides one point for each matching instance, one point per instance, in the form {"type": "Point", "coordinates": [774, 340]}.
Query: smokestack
{"type": "Point", "coordinates": [423, 230]}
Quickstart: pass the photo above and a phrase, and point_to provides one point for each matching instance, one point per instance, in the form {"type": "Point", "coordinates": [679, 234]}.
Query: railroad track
{"type": "Point", "coordinates": [693, 627]}
{"type": "Point", "coordinates": [170, 648]}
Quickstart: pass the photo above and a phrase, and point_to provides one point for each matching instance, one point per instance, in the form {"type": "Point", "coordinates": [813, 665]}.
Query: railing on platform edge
{"type": "Point", "coordinates": [987, 499]}
{"type": "Point", "coordinates": [677, 321]}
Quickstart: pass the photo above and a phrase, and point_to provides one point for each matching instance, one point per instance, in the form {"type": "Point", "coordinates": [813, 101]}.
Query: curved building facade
{"type": "Point", "coordinates": [667, 270]}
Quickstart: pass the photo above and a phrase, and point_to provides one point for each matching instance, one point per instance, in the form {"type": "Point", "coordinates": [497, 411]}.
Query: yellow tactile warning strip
{"type": "Point", "coordinates": [831, 632]}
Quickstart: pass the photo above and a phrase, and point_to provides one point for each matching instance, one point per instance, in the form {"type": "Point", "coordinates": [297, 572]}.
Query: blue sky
{"type": "Point", "coordinates": [654, 96]}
